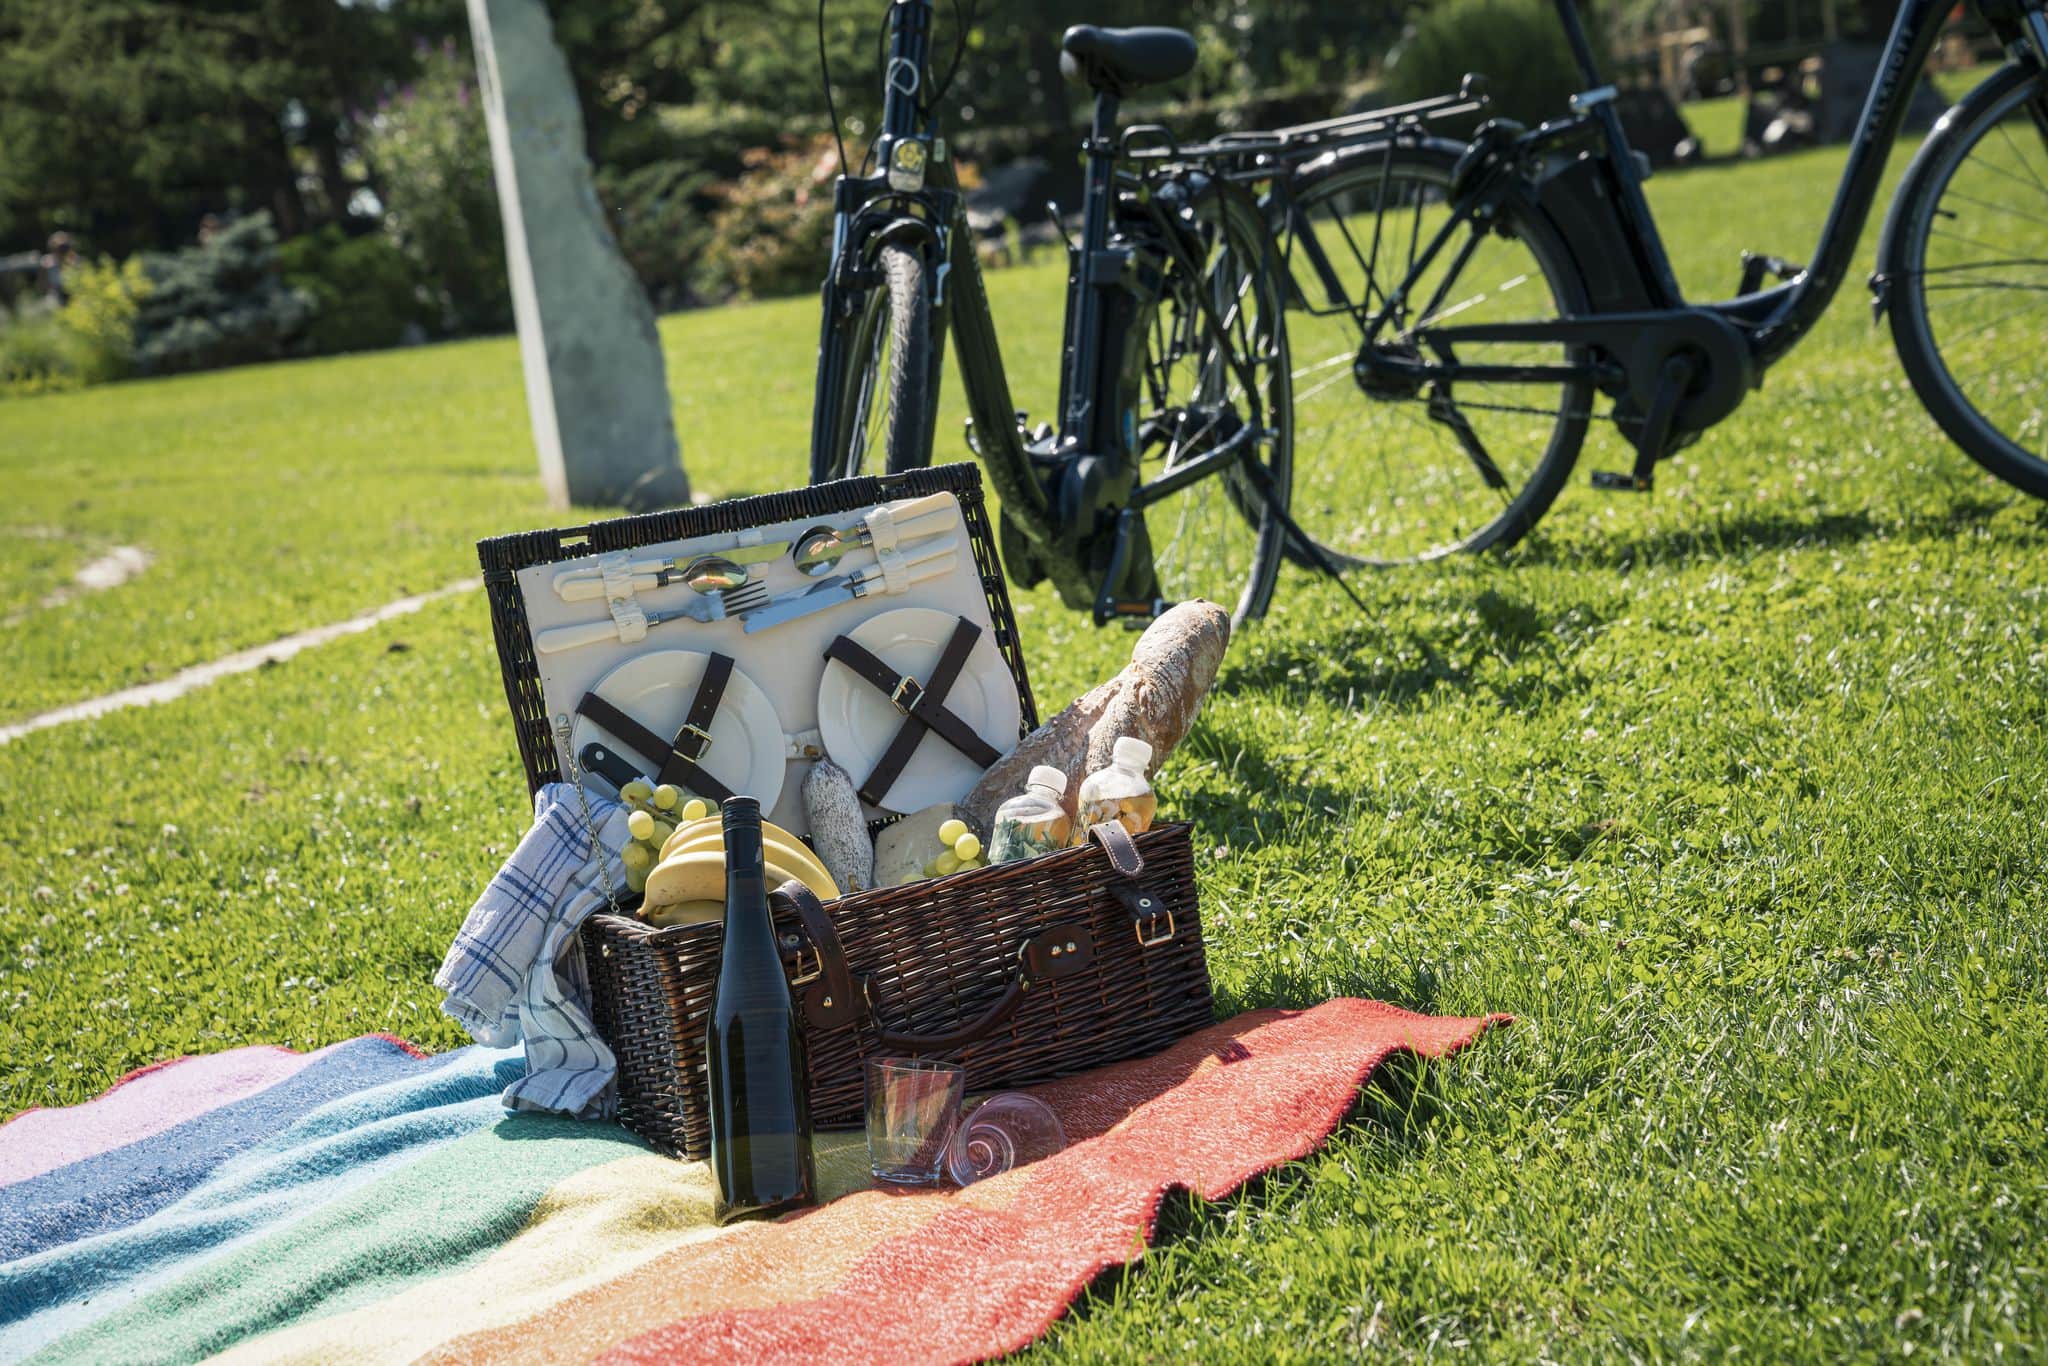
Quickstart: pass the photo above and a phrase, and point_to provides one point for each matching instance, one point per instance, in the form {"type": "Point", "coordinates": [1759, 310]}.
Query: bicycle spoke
{"type": "Point", "coordinates": [2005, 131]}
{"type": "Point", "coordinates": [1986, 265]}
{"type": "Point", "coordinates": [2018, 288]}
{"type": "Point", "coordinates": [1998, 208]}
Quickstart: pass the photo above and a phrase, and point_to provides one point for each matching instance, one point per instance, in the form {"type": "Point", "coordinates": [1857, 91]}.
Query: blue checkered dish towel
{"type": "Point", "coordinates": [516, 971]}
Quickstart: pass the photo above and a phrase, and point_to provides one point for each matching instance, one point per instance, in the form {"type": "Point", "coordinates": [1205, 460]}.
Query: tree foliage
{"type": "Point", "coordinates": [129, 120]}
{"type": "Point", "coordinates": [222, 302]}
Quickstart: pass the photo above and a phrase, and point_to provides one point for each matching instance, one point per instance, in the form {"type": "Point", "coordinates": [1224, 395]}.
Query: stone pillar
{"type": "Point", "coordinates": [595, 386]}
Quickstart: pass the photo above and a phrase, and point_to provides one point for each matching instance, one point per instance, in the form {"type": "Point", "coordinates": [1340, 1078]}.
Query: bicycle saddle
{"type": "Point", "coordinates": [1117, 61]}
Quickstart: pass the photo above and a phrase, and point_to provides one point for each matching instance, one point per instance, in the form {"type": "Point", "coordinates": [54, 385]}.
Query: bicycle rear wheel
{"type": "Point", "coordinates": [882, 416]}
{"type": "Point", "coordinates": [1395, 470]}
{"type": "Point", "coordinates": [1211, 374]}
{"type": "Point", "coordinates": [1969, 297]}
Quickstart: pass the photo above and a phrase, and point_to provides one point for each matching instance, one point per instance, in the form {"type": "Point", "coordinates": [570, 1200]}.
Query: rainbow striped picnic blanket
{"type": "Point", "coordinates": [368, 1202]}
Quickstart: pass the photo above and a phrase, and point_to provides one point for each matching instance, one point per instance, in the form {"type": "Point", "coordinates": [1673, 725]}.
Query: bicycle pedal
{"type": "Point", "coordinates": [1756, 266]}
{"type": "Point", "coordinates": [1135, 613]}
{"type": "Point", "coordinates": [1614, 481]}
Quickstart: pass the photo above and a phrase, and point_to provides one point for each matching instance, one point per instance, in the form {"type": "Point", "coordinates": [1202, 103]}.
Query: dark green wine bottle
{"type": "Point", "coordinates": [760, 1099]}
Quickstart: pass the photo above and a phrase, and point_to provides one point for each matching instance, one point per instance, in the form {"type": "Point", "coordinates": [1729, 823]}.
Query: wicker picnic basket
{"type": "Point", "coordinates": [1022, 971]}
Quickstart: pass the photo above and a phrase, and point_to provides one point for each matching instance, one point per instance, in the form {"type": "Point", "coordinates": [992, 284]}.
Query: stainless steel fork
{"type": "Point", "coordinates": [704, 607]}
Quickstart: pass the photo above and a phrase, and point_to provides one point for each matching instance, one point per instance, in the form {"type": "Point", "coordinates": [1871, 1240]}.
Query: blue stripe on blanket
{"type": "Point", "coordinates": [128, 1184]}
{"type": "Point", "coordinates": [331, 1152]}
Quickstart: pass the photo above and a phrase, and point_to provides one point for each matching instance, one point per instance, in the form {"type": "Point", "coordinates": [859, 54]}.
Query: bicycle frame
{"type": "Point", "coordinates": [1074, 498]}
{"type": "Point", "coordinates": [1680, 367]}
{"type": "Point", "coordinates": [1779, 318]}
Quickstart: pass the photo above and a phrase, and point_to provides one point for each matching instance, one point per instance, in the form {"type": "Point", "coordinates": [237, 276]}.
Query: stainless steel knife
{"type": "Point", "coordinates": [929, 564]}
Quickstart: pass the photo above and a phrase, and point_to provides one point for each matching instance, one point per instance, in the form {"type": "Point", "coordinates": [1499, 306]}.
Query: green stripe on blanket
{"type": "Point", "coordinates": [424, 1220]}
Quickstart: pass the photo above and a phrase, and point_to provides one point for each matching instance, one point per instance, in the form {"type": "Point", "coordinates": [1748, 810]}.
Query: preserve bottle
{"type": "Point", "coordinates": [1118, 791]}
{"type": "Point", "coordinates": [760, 1104]}
{"type": "Point", "coordinates": [1033, 822]}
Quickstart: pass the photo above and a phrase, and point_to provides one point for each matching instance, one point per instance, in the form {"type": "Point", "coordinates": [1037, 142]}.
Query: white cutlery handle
{"type": "Point", "coordinates": [901, 569]}
{"type": "Point", "coordinates": [914, 509]}
{"type": "Point", "coordinates": [569, 637]}
{"type": "Point", "coordinates": [930, 524]}
{"type": "Point", "coordinates": [586, 590]}
{"type": "Point", "coordinates": [573, 580]}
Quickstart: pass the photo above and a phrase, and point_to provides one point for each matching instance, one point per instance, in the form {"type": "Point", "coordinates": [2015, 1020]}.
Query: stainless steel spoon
{"type": "Point", "coordinates": [820, 548]}
{"type": "Point", "coordinates": [712, 574]}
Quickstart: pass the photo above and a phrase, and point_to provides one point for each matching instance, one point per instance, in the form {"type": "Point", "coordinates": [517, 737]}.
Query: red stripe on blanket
{"type": "Point", "coordinates": [960, 1275]}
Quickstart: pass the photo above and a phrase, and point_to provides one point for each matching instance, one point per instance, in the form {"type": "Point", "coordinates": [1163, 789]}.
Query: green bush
{"type": "Point", "coordinates": [90, 340]}
{"type": "Point", "coordinates": [364, 288]}
{"type": "Point", "coordinates": [431, 157]}
{"type": "Point", "coordinates": [666, 176]}
{"type": "Point", "coordinates": [38, 354]}
{"type": "Point", "coordinates": [1516, 44]}
{"type": "Point", "coordinates": [105, 300]}
{"type": "Point", "coordinates": [660, 213]}
{"type": "Point", "coordinates": [220, 303]}
{"type": "Point", "coordinates": [772, 231]}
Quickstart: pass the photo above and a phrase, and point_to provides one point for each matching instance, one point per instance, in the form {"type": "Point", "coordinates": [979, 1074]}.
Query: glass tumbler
{"type": "Point", "coordinates": [913, 1109]}
{"type": "Point", "coordinates": [1004, 1131]}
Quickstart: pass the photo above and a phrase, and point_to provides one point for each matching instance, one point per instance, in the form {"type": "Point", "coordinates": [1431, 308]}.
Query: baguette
{"type": "Point", "coordinates": [1156, 697]}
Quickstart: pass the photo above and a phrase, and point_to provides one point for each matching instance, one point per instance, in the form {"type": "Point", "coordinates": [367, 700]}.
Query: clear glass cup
{"type": "Point", "coordinates": [1006, 1130]}
{"type": "Point", "coordinates": [913, 1111]}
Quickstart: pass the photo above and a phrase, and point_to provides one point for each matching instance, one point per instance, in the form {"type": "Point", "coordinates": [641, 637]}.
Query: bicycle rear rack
{"type": "Point", "coordinates": [1258, 152]}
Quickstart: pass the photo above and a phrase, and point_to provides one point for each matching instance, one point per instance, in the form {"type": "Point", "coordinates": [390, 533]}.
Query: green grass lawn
{"type": "Point", "coordinates": [1736, 796]}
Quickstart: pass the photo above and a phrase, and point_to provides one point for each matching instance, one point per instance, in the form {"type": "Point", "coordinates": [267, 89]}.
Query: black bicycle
{"type": "Point", "coordinates": [1481, 295]}
{"type": "Point", "coordinates": [1167, 476]}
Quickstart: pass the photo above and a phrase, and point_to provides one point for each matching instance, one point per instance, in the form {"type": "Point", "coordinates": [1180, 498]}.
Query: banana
{"type": "Point", "coordinates": [686, 913]}
{"type": "Point", "coordinates": [699, 875]}
{"type": "Point", "coordinates": [691, 832]}
{"type": "Point", "coordinates": [778, 844]}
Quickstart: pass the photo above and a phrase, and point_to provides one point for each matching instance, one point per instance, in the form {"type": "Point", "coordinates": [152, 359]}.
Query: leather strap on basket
{"type": "Point", "coordinates": [922, 704]}
{"type": "Point", "coordinates": [680, 759]}
{"type": "Point", "coordinates": [831, 999]}
{"type": "Point", "coordinates": [1147, 910]}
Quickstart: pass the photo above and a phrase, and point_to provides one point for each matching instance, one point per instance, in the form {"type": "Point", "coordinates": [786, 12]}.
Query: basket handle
{"type": "Point", "coordinates": [832, 1000]}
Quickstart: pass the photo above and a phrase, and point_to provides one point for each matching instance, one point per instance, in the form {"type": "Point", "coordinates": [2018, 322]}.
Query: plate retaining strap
{"type": "Point", "coordinates": [680, 760]}
{"type": "Point", "coordinates": [922, 704]}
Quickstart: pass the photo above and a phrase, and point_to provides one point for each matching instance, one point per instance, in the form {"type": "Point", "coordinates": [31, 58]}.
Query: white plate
{"type": "Point", "coordinates": [748, 752]}
{"type": "Point", "coordinates": [858, 721]}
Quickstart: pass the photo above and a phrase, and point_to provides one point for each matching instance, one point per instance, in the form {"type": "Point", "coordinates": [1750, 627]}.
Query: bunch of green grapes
{"type": "Point", "coordinates": [652, 815]}
{"type": "Point", "coordinates": [962, 850]}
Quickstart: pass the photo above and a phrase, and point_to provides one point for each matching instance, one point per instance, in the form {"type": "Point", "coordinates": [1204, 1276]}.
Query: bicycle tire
{"type": "Point", "coordinates": [1185, 532]}
{"type": "Point", "coordinates": [1396, 526]}
{"type": "Point", "coordinates": [1909, 239]}
{"type": "Point", "coordinates": [890, 358]}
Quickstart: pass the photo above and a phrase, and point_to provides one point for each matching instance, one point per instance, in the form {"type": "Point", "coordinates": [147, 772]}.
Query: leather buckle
{"type": "Point", "coordinates": [1138, 926]}
{"type": "Point", "coordinates": [814, 974]}
{"type": "Point", "coordinates": [906, 687]}
{"type": "Point", "coordinates": [697, 733]}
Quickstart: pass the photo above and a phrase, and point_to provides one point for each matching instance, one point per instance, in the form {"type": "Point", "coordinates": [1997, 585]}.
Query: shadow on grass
{"type": "Point", "coordinates": [1370, 665]}
{"type": "Point", "coordinates": [1756, 532]}
{"type": "Point", "coordinates": [1411, 986]}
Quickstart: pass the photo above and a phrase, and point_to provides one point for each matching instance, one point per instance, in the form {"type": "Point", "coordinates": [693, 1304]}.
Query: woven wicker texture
{"type": "Point", "coordinates": [934, 955]}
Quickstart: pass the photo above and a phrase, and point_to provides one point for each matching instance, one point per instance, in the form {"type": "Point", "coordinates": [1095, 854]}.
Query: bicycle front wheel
{"type": "Point", "coordinates": [1409, 463]}
{"type": "Point", "coordinates": [1969, 293]}
{"type": "Point", "coordinates": [882, 417]}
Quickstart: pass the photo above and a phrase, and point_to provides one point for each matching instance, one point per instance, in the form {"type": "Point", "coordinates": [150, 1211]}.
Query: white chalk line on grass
{"type": "Point", "coordinates": [240, 662]}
